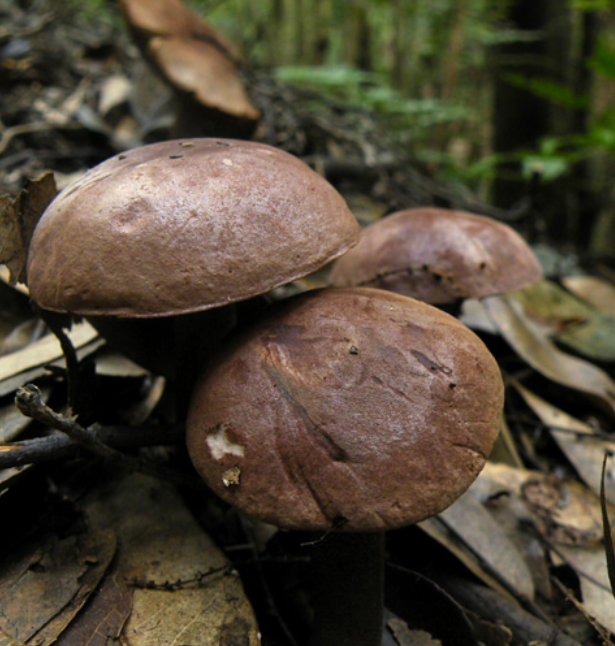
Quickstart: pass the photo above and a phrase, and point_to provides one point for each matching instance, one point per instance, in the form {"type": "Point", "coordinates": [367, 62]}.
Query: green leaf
{"type": "Point", "coordinates": [545, 88]}
{"type": "Point", "coordinates": [603, 60]}
{"type": "Point", "coordinates": [549, 167]}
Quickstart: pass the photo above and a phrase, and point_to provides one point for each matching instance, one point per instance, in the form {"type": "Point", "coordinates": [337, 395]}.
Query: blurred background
{"type": "Point", "coordinates": [498, 106]}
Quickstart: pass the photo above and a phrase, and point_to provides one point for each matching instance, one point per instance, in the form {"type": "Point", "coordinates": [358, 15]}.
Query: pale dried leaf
{"type": "Point", "coordinates": [44, 351]}
{"type": "Point", "coordinates": [571, 506]}
{"type": "Point", "coordinates": [114, 91]}
{"type": "Point", "coordinates": [476, 317]}
{"type": "Point", "coordinates": [160, 542]}
{"type": "Point", "coordinates": [473, 524]}
{"type": "Point", "coordinates": [436, 529]}
{"type": "Point", "coordinates": [505, 449]}
{"type": "Point", "coordinates": [113, 364]}
{"type": "Point", "coordinates": [404, 636]}
{"type": "Point", "coordinates": [595, 291]}
{"type": "Point", "coordinates": [578, 441]}
{"type": "Point", "coordinates": [590, 565]}
{"type": "Point", "coordinates": [533, 345]}
{"type": "Point", "coordinates": [20, 336]}
{"type": "Point", "coordinates": [5, 277]}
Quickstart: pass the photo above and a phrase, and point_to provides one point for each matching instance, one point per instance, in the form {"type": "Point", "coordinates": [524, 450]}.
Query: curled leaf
{"type": "Point", "coordinates": [18, 218]}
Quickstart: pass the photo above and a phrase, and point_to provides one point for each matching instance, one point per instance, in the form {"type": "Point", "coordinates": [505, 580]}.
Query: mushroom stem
{"type": "Point", "coordinates": [348, 590]}
{"type": "Point", "coordinates": [196, 337]}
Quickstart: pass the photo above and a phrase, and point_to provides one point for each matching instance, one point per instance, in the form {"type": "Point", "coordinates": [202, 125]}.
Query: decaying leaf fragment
{"type": "Point", "coordinates": [44, 585]}
{"type": "Point", "coordinates": [579, 442]}
{"type": "Point", "coordinates": [160, 543]}
{"type": "Point", "coordinates": [18, 217]}
{"type": "Point", "coordinates": [572, 511]}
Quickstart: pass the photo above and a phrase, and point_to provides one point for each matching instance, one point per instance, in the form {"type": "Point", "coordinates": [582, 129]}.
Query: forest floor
{"type": "Point", "coordinates": [95, 554]}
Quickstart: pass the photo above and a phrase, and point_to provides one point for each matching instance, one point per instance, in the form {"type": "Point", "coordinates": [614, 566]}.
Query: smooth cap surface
{"type": "Point", "coordinates": [439, 256]}
{"type": "Point", "coordinates": [354, 408]}
{"type": "Point", "coordinates": [171, 18]}
{"type": "Point", "coordinates": [183, 226]}
{"type": "Point", "coordinates": [202, 70]}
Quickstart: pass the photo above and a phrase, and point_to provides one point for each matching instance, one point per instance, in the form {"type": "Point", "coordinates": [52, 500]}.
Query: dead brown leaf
{"type": "Point", "coordinates": [533, 345]}
{"type": "Point", "coordinates": [45, 580]}
{"type": "Point", "coordinates": [102, 621]}
{"type": "Point", "coordinates": [18, 218]}
{"type": "Point", "coordinates": [160, 542]}
{"type": "Point", "coordinates": [96, 551]}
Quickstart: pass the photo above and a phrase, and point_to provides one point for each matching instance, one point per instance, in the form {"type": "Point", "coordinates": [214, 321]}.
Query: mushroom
{"type": "Point", "coordinates": [349, 411]}
{"type": "Point", "coordinates": [197, 63]}
{"type": "Point", "coordinates": [179, 228]}
{"type": "Point", "coordinates": [439, 256]}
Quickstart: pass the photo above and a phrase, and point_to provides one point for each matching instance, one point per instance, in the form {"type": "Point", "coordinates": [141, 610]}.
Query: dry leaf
{"type": "Point", "coordinates": [473, 524]}
{"type": "Point", "coordinates": [590, 566]}
{"type": "Point", "coordinates": [573, 507]}
{"type": "Point", "coordinates": [576, 509]}
{"type": "Point", "coordinates": [96, 550]}
{"type": "Point", "coordinates": [578, 441]}
{"type": "Point", "coordinates": [569, 320]}
{"type": "Point", "coordinates": [475, 316]}
{"type": "Point", "coordinates": [532, 344]}
{"type": "Point", "coordinates": [20, 336]}
{"type": "Point", "coordinates": [595, 291]}
{"type": "Point", "coordinates": [505, 449]}
{"type": "Point", "coordinates": [159, 541]}
{"type": "Point", "coordinates": [6, 640]}
{"type": "Point", "coordinates": [102, 621]}
{"type": "Point", "coordinates": [18, 218]}
{"type": "Point", "coordinates": [406, 637]}
{"type": "Point", "coordinates": [41, 581]}
{"type": "Point", "coordinates": [29, 362]}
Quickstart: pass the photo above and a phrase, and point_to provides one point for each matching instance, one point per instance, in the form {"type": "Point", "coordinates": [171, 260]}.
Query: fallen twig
{"type": "Point", "coordinates": [30, 403]}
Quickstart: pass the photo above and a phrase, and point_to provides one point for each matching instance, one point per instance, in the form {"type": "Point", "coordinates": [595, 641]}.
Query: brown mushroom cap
{"type": "Point", "coordinates": [184, 226]}
{"type": "Point", "coordinates": [353, 407]}
{"type": "Point", "coordinates": [439, 256]}
{"type": "Point", "coordinates": [172, 18]}
{"type": "Point", "coordinates": [204, 72]}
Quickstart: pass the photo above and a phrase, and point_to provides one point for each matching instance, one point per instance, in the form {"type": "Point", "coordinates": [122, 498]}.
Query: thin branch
{"type": "Point", "coordinates": [30, 403]}
{"type": "Point", "coordinates": [57, 446]}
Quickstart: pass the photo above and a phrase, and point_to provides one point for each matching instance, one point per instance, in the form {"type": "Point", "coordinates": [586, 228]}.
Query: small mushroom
{"type": "Point", "coordinates": [198, 64]}
{"type": "Point", "coordinates": [182, 227]}
{"type": "Point", "coordinates": [343, 443]}
{"type": "Point", "coordinates": [439, 256]}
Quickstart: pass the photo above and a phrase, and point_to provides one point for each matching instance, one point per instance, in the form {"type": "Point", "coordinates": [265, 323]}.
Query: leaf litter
{"type": "Point", "coordinates": [513, 530]}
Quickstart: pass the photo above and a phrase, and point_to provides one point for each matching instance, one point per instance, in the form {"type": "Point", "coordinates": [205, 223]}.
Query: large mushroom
{"type": "Point", "coordinates": [352, 412]}
{"type": "Point", "coordinates": [439, 256]}
{"type": "Point", "coordinates": [178, 228]}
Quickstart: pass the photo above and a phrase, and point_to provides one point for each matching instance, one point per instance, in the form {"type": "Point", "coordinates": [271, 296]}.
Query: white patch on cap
{"type": "Point", "coordinates": [219, 444]}
{"type": "Point", "coordinates": [228, 162]}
